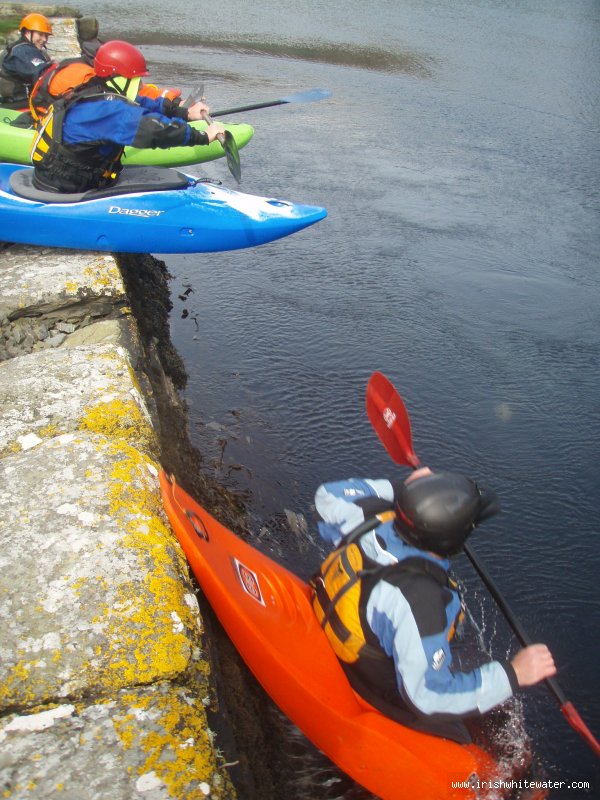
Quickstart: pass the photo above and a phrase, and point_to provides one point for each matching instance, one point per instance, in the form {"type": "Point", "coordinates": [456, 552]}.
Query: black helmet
{"type": "Point", "coordinates": [438, 512]}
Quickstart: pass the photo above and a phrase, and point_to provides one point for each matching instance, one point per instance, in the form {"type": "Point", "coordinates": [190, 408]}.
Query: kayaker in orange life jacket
{"type": "Point", "coordinates": [24, 61]}
{"type": "Point", "coordinates": [66, 75]}
{"type": "Point", "coordinates": [390, 608]}
{"type": "Point", "coordinates": [80, 142]}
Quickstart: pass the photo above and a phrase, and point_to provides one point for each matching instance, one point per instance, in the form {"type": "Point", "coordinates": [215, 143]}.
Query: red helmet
{"type": "Point", "coordinates": [119, 58]}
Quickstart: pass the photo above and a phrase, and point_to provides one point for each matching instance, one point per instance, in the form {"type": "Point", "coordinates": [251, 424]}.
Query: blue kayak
{"type": "Point", "coordinates": [149, 210]}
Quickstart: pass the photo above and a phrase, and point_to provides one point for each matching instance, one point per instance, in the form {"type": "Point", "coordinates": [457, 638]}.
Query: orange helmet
{"type": "Point", "coordinates": [119, 58]}
{"type": "Point", "coordinates": [36, 22]}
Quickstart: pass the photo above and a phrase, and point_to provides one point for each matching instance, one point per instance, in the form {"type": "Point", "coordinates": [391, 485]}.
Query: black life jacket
{"type": "Point", "coordinates": [13, 91]}
{"type": "Point", "coordinates": [71, 168]}
{"type": "Point", "coordinates": [341, 592]}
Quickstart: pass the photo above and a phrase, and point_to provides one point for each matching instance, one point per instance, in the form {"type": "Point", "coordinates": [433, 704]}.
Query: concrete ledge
{"type": "Point", "coordinates": [36, 280]}
{"type": "Point", "coordinates": [92, 584]}
{"type": "Point", "coordinates": [47, 295]}
{"type": "Point", "coordinates": [146, 743]}
{"type": "Point", "coordinates": [104, 675]}
{"type": "Point", "coordinates": [72, 388]}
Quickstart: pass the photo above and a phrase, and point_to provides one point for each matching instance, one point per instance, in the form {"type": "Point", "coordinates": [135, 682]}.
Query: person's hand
{"type": "Point", "coordinates": [213, 130]}
{"type": "Point", "coordinates": [533, 664]}
{"type": "Point", "coordinates": [198, 110]}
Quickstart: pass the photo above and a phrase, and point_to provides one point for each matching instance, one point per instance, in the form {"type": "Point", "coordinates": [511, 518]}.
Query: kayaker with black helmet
{"type": "Point", "coordinates": [23, 62]}
{"type": "Point", "coordinates": [390, 608]}
{"type": "Point", "coordinates": [80, 142]}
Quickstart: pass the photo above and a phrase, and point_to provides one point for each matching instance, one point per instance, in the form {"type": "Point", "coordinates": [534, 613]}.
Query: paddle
{"type": "Point", "coordinates": [390, 420]}
{"type": "Point", "coordinates": [232, 154]}
{"type": "Point", "coordinates": [226, 139]}
{"type": "Point", "coordinates": [310, 96]}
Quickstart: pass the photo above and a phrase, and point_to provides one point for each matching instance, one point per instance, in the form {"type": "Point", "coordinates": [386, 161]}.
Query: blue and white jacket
{"type": "Point", "coordinates": [413, 628]}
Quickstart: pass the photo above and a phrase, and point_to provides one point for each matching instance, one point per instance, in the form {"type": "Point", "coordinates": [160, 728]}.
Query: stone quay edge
{"type": "Point", "coordinates": [104, 677]}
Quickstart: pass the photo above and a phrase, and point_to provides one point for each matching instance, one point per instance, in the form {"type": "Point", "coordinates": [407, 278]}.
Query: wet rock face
{"type": "Point", "coordinates": [146, 281]}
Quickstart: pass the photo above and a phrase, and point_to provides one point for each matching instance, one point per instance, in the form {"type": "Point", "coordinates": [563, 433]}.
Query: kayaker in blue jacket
{"type": "Point", "coordinates": [390, 608]}
{"type": "Point", "coordinates": [81, 139]}
{"type": "Point", "coordinates": [24, 61]}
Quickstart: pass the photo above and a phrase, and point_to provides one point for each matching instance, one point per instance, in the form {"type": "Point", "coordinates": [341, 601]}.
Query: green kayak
{"type": "Point", "coordinates": [15, 144]}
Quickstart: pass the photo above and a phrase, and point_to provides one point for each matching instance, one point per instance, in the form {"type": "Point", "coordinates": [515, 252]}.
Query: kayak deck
{"type": "Point", "coordinates": [266, 612]}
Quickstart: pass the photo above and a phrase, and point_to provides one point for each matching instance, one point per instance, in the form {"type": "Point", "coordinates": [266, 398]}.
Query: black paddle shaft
{"type": "Point", "coordinates": [253, 107]}
{"type": "Point", "coordinates": [512, 620]}
{"type": "Point", "coordinates": [310, 96]}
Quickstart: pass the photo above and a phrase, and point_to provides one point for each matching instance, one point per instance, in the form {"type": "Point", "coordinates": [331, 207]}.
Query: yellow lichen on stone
{"type": "Point", "coordinates": [151, 629]}
{"type": "Point", "coordinates": [120, 419]}
{"type": "Point", "coordinates": [153, 634]}
{"type": "Point", "coordinates": [134, 379]}
{"type": "Point", "coordinates": [17, 683]}
{"type": "Point", "coordinates": [71, 287]}
{"type": "Point", "coordinates": [104, 275]}
{"type": "Point", "coordinates": [13, 447]}
{"type": "Point", "coordinates": [144, 646]}
{"type": "Point", "coordinates": [78, 584]}
{"type": "Point", "coordinates": [48, 431]}
{"type": "Point", "coordinates": [176, 740]}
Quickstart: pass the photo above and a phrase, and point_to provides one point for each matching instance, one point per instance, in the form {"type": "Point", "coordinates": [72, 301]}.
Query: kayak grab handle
{"type": "Point", "coordinates": [197, 524]}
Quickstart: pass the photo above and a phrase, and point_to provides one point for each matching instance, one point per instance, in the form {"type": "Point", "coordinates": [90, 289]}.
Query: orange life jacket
{"type": "Point", "coordinates": [153, 91]}
{"type": "Point", "coordinates": [57, 81]}
{"type": "Point", "coordinates": [71, 72]}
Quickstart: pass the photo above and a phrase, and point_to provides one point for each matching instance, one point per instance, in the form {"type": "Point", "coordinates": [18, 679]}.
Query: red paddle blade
{"type": "Point", "coordinates": [389, 417]}
{"type": "Point", "coordinates": [572, 716]}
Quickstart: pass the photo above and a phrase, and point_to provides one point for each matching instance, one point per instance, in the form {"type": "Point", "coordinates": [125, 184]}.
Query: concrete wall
{"type": "Point", "coordinates": [104, 680]}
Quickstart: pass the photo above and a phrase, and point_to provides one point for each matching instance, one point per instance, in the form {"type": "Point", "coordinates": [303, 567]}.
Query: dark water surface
{"type": "Point", "coordinates": [458, 159]}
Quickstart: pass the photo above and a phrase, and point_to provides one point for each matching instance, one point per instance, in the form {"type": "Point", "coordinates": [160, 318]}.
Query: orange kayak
{"type": "Point", "coordinates": [267, 614]}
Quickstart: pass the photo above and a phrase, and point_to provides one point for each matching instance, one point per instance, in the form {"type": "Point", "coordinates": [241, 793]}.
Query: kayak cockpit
{"type": "Point", "coordinates": [132, 180]}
